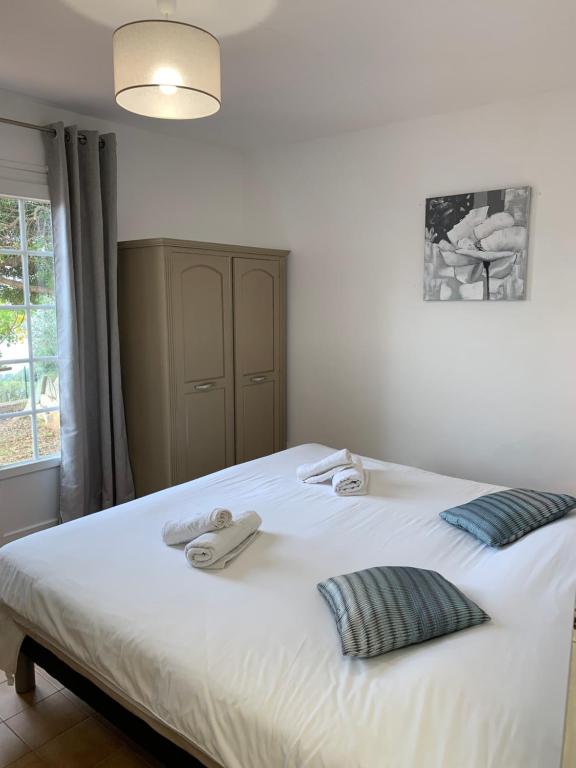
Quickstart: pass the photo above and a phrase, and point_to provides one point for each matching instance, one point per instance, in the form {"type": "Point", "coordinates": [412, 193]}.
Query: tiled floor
{"type": "Point", "coordinates": [52, 728]}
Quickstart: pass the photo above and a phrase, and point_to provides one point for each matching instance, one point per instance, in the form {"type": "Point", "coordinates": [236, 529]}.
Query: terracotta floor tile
{"type": "Point", "coordinates": [10, 702]}
{"type": "Point", "coordinates": [64, 731]}
{"type": "Point", "coordinates": [83, 746]}
{"type": "Point", "coordinates": [38, 724]}
{"type": "Point", "coordinates": [110, 726]}
{"type": "Point", "coordinates": [56, 683]}
{"type": "Point", "coordinates": [31, 760]}
{"type": "Point", "coordinates": [145, 757]}
{"type": "Point", "coordinates": [80, 703]}
{"type": "Point", "coordinates": [11, 747]}
{"type": "Point", "coordinates": [44, 688]}
{"type": "Point", "coordinates": [124, 758]}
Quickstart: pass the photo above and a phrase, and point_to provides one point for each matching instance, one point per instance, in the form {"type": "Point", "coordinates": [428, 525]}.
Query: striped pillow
{"type": "Point", "coordinates": [381, 609]}
{"type": "Point", "coordinates": [502, 517]}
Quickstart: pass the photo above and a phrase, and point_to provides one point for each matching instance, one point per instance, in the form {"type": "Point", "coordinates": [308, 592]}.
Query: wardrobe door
{"type": "Point", "coordinates": [258, 302]}
{"type": "Point", "coordinates": [202, 364]}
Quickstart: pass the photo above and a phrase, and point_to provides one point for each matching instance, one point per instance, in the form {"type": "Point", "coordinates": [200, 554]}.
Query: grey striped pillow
{"type": "Point", "coordinates": [380, 609]}
{"type": "Point", "coordinates": [502, 517]}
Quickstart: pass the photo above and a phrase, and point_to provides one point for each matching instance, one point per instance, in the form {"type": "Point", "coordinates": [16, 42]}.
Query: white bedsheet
{"type": "Point", "coordinates": [246, 661]}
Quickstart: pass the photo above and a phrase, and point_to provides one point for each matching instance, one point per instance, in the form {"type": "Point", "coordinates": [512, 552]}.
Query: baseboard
{"type": "Point", "coordinates": [13, 535]}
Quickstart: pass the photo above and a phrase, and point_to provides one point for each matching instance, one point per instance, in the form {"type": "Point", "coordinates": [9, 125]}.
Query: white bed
{"type": "Point", "coordinates": [245, 662]}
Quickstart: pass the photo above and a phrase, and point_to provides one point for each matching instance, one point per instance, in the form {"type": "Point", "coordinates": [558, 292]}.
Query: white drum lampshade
{"type": "Point", "coordinates": [166, 69]}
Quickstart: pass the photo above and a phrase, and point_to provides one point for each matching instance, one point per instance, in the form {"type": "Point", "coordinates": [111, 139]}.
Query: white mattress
{"type": "Point", "coordinates": [246, 661]}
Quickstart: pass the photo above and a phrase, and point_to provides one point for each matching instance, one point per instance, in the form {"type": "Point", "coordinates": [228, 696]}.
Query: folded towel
{"type": "Point", "coordinates": [350, 481]}
{"type": "Point", "coordinates": [183, 531]}
{"type": "Point", "coordinates": [326, 468]}
{"type": "Point", "coordinates": [218, 548]}
{"type": "Point", "coordinates": [227, 558]}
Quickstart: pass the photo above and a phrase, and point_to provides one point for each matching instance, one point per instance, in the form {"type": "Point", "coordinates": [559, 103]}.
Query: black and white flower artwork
{"type": "Point", "coordinates": [477, 246]}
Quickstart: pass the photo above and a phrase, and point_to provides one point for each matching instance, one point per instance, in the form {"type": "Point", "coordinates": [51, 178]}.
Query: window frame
{"type": "Point", "coordinates": [38, 461]}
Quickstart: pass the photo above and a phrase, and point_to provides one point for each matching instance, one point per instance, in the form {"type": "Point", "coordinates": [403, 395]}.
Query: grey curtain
{"type": "Point", "coordinates": [95, 469]}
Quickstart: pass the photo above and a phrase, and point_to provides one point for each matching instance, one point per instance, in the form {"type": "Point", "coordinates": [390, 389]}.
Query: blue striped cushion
{"type": "Point", "coordinates": [502, 517]}
{"type": "Point", "coordinates": [381, 609]}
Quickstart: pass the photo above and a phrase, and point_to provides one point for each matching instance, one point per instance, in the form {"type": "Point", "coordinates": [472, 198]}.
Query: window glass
{"type": "Point", "coordinates": [15, 390]}
{"type": "Point", "coordinates": [46, 384]}
{"type": "Point", "coordinates": [16, 443]}
{"type": "Point", "coordinates": [9, 223]}
{"type": "Point", "coordinates": [13, 334]}
{"type": "Point", "coordinates": [48, 430]}
{"type": "Point", "coordinates": [29, 398]}
{"type": "Point", "coordinates": [41, 278]}
{"type": "Point", "coordinates": [38, 225]}
{"type": "Point", "coordinates": [44, 340]}
{"type": "Point", "coordinates": [11, 279]}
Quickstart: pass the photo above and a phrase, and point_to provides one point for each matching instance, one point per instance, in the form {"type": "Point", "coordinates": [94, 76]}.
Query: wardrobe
{"type": "Point", "coordinates": [203, 351]}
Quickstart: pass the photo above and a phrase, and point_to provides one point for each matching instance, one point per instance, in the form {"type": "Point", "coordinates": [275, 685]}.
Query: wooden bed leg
{"type": "Point", "coordinates": [25, 678]}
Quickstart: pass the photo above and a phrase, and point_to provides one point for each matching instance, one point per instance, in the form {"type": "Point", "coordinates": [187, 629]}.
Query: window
{"type": "Point", "coordinates": [29, 407]}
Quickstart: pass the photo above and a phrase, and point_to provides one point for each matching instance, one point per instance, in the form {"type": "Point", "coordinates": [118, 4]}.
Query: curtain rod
{"type": "Point", "coordinates": [34, 127]}
{"type": "Point", "coordinates": [43, 128]}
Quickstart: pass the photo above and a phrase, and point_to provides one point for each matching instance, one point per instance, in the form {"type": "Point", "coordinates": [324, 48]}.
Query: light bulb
{"type": "Point", "coordinates": [168, 80]}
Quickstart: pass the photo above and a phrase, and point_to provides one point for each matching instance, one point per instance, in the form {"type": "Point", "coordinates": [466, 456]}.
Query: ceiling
{"type": "Point", "coordinates": [300, 69]}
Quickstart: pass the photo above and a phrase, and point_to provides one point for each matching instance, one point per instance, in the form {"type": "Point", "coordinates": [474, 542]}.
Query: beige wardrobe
{"type": "Point", "coordinates": [202, 342]}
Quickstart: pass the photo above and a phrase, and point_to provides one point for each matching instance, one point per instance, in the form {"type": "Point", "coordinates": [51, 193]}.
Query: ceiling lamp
{"type": "Point", "coordinates": [166, 69]}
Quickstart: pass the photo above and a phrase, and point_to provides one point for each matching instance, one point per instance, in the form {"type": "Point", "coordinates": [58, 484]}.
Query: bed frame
{"type": "Point", "coordinates": [171, 748]}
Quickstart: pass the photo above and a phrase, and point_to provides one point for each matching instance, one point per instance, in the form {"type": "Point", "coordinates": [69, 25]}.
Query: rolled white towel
{"type": "Point", "coordinates": [350, 481]}
{"type": "Point", "coordinates": [216, 549]}
{"type": "Point", "coordinates": [324, 469]}
{"type": "Point", "coordinates": [183, 531]}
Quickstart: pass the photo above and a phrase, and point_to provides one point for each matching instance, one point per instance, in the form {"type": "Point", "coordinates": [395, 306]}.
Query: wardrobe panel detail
{"type": "Point", "coordinates": [206, 430]}
{"type": "Point", "coordinates": [255, 306]}
{"type": "Point", "coordinates": [202, 301]}
{"type": "Point", "coordinates": [257, 403]}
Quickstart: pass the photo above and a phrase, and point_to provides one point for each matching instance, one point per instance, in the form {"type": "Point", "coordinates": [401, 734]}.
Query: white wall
{"type": "Point", "coordinates": [482, 390]}
{"type": "Point", "coordinates": [486, 391]}
{"type": "Point", "coordinates": [166, 187]}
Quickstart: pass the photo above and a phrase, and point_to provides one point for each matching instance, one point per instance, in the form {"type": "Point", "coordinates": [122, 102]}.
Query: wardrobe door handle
{"type": "Point", "coordinates": [204, 387]}
{"type": "Point", "coordinates": [258, 379]}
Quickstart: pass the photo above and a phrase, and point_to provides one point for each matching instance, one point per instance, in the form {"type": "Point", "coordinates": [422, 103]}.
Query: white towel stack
{"type": "Point", "coordinates": [346, 472]}
{"type": "Point", "coordinates": [214, 539]}
{"type": "Point", "coordinates": [350, 481]}
{"type": "Point", "coordinates": [183, 531]}
{"type": "Point", "coordinates": [325, 469]}
{"type": "Point", "coordinates": [215, 550]}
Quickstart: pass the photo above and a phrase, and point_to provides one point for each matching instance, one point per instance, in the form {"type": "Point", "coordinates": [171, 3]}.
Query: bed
{"type": "Point", "coordinates": [242, 667]}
